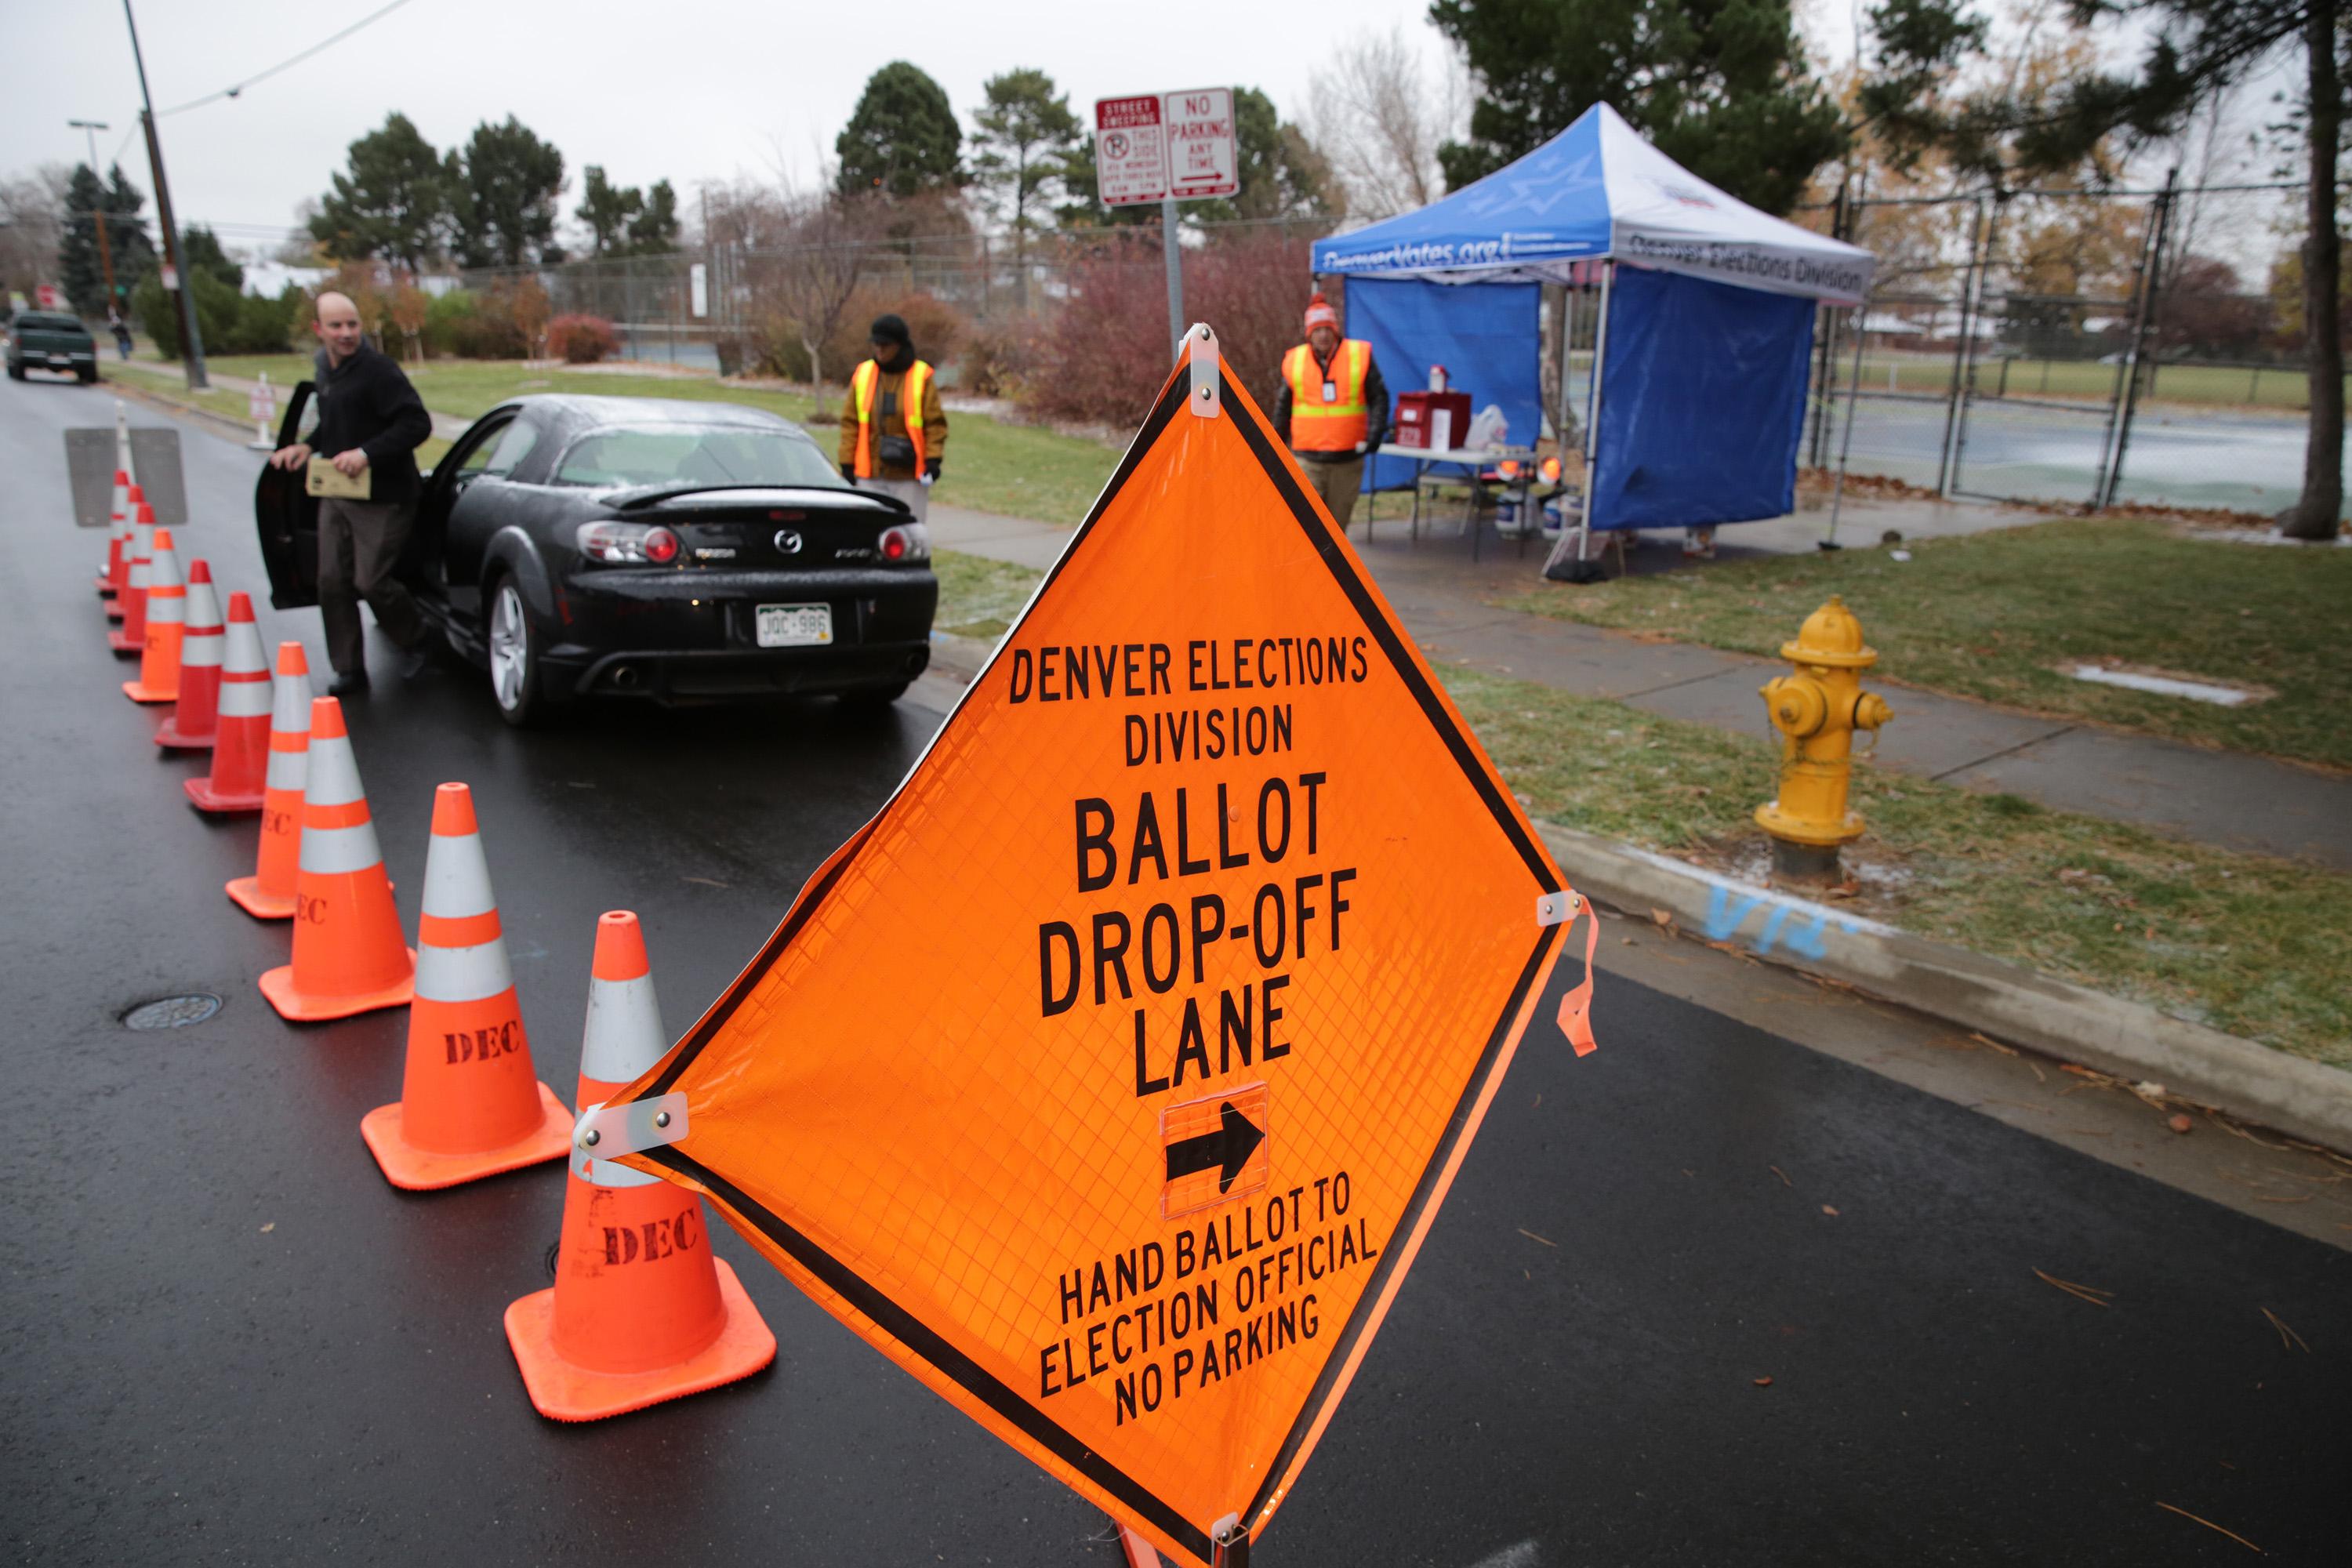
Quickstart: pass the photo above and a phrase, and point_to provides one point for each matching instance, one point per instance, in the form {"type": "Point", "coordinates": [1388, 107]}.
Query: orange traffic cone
{"type": "Point", "coordinates": [118, 523]}
{"type": "Point", "coordinates": [241, 723]}
{"type": "Point", "coordinates": [131, 636]}
{"type": "Point", "coordinates": [348, 955]}
{"type": "Point", "coordinates": [269, 893]}
{"type": "Point", "coordinates": [167, 616]}
{"type": "Point", "coordinates": [189, 726]}
{"type": "Point", "coordinates": [641, 1312]}
{"type": "Point", "coordinates": [468, 1104]}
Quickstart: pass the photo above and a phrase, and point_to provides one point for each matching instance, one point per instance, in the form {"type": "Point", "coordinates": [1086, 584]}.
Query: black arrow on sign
{"type": "Point", "coordinates": [1225, 1150]}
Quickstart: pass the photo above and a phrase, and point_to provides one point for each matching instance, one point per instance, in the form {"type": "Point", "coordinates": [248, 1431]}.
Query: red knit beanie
{"type": "Point", "coordinates": [1320, 313]}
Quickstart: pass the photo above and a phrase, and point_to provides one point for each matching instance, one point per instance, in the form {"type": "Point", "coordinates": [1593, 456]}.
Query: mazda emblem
{"type": "Point", "coordinates": [788, 542]}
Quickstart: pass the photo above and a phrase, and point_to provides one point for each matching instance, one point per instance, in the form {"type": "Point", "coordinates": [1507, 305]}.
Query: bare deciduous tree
{"type": "Point", "coordinates": [32, 210]}
{"type": "Point", "coordinates": [803, 250]}
{"type": "Point", "coordinates": [1379, 113]}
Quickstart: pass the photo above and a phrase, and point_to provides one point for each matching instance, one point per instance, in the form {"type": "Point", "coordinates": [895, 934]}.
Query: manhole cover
{"type": "Point", "coordinates": [172, 1012]}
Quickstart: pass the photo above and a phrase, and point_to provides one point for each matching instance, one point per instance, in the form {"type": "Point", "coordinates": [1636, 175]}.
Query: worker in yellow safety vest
{"type": "Point", "coordinates": [1333, 409]}
{"type": "Point", "coordinates": [893, 431]}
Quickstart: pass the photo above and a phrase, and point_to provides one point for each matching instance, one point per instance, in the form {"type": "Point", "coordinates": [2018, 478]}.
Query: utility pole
{"type": "Point", "coordinates": [99, 214]}
{"type": "Point", "coordinates": [191, 341]}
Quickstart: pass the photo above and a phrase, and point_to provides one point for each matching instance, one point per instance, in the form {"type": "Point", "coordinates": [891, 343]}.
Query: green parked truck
{"type": "Point", "coordinates": [50, 340]}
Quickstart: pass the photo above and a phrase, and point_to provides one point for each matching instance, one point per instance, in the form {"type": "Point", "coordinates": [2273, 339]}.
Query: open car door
{"type": "Point", "coordinates": [287, 515]}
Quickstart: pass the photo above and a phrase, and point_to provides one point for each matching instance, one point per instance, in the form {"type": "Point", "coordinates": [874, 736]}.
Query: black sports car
{"type": "Point", "coordinates": [580, 547]}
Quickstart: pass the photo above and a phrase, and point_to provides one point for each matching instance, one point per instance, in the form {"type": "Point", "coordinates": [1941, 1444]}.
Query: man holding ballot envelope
{"type": "Point", "coordinates": [362, 457]}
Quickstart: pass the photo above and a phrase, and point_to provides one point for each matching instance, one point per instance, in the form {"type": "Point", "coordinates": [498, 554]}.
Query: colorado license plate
{"type": "Point", "coordinates": [794, 625]}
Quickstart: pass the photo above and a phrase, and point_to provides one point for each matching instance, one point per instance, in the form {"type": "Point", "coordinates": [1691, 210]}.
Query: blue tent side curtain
{"type": "Point", "coordinates": [1702, 403]}
{"type": "Point", "coordinates": [1480, 333]}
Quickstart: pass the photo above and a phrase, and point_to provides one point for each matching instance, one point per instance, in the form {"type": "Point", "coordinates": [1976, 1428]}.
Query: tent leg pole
{"type": "Point", "coordinates": [1579, 540]}
{"type": "Point", "coordinates": [1853, 404]}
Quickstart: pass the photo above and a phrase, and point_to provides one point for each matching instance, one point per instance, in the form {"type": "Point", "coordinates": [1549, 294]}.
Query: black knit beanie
{"type": "Point", "coordinates": [891, 330]}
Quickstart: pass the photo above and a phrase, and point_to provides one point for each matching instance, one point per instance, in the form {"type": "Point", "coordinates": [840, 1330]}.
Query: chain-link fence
{"type": "Point", "coordinates": [2070, 348]}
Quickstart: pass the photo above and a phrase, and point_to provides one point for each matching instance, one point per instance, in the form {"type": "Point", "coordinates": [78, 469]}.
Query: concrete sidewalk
{"type": "Point", "coordinates": [2228, 799]}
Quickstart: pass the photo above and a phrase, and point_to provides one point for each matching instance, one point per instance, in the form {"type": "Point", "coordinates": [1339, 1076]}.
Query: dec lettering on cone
{"type": "Point", "coordinates": [190, 724]}
{"type": "Point", "coordinates": [131, 636]}
{"type": "Point", "coordinates": [349, 957]}
{"type": "Point", "coordinates": [241, 720]}
{"type": "Point", "coordinates": [269, 893]}
{"type": "Point", "coordinates": [167, 614]}
{"type": "Point", "coordinates": [641, 1312]}
{"type": "Point", "coordinates": [469, 1106]}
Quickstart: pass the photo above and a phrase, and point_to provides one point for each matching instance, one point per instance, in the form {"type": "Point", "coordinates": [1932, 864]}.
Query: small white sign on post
{"type": "Point", "coordinates": [261, 407]}
{"type": "Point", "coordinates": [1198, 127]}
{"type": "Point", "coordinates": [1130, 153]}
{"type": "Point", "coordinates": [697, 283]}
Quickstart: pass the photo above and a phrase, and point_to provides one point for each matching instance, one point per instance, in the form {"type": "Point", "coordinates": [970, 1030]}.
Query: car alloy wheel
{"type": "Point", "coordinates": [509, 648]}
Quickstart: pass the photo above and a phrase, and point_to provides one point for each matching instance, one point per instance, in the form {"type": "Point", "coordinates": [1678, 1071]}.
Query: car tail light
{"type": "Point", "coordinates": [905, 541]}
{"type": "Point", "coordinates": [625, 542]}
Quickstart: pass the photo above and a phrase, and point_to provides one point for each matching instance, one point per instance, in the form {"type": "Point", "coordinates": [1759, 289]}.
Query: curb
{"type": "Point", "coordinates": [155, 398]}
{"type": "Point", "coordinates": [2070, 1022]}
{"type": "Point", "coordinates": [959, 657]}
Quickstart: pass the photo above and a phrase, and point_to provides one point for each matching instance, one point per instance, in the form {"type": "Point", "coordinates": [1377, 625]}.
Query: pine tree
{"type": "Point", "coordinates": [653, 231]}
{"type": "Point", "coordinates": [133, 254]}
{"type": "Point", "coordinates": [606, 209]}
{"type": "Point", "coordinates": [506, 202]}
{"type": "Point", "coordinates": [902, 139]}
{"type": "Point", "coordinates": [1722, 86]}
{"type": "Point", "coordinates": [391, 200]}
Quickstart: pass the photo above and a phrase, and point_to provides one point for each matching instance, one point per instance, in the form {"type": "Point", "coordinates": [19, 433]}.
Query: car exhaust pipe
{"type": "Point", "coordinates": [625, 676]}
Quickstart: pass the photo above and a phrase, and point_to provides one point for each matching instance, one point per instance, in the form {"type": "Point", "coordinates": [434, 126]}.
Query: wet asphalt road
{"type": "Point", "coordinates": [223, 1337]}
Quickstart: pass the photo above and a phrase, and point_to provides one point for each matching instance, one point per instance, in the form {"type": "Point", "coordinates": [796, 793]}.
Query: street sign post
{"type": "Point", "coordinates": [1167, 147]}
{"type": "Point", "coordinates": [1110, 1078]}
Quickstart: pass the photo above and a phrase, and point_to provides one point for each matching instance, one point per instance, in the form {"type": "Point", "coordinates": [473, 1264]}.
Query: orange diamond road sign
{"type": "Point", "coordinates": [1108, 1079]}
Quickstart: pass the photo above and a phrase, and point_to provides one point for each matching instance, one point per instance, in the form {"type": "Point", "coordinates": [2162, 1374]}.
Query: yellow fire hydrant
{"type": "Point", "coordinates": [1817, 710]}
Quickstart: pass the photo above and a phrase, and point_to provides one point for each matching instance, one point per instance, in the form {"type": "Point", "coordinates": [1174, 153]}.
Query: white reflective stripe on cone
{"type": "Point", "coordinates": [203, 607]}
{"type": "Point", "coordinates": [166, 609]}
{"type": "Point", "coordinates": [457, 877]}
{"type": "Point", "coordinates": [613, 1174]}
{"type": "Point", "coordinates": [244, 655]}
{"type": "Point", "coordinates": [624, 1036]}
{"type": "Point", "coordinates": [336, 851]}
{"type": "Point", "coordinates": [287, 770]}
{"type": "Point", "coordinates": [244, 700]}
{"type": "Point", "coordinates": [199, 648]}
{"type": "Point", "coordinates": [334, 772]}
{"type": "Point", "coordinates": [163, 568]}
{"type": "Point", "coordinates": [289, 711]}
{"type": "Point", "coordinates": [462, 973]}
{"type": "Point", "coordinates": [137, 571]}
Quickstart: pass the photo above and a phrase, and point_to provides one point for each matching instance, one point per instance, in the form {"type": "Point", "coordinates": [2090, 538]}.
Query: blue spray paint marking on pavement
{"type": "Point", "coordinates": [1726, 913]}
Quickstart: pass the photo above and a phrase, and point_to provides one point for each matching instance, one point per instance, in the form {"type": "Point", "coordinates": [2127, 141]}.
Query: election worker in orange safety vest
{"type": "Point", "coordinates": [894, 431]}
{"type": "Point", "coordinates": [1333, 409]}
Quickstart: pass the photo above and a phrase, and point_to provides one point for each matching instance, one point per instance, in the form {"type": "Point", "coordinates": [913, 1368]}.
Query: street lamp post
{"type": "Point", "coordinates": [191, 342]}
{"type": "Point", "coordinates": [99, 215]}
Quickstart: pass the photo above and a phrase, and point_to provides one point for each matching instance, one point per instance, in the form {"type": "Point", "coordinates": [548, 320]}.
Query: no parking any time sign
{"type": "Point", "coordinates": [1109, 1080]}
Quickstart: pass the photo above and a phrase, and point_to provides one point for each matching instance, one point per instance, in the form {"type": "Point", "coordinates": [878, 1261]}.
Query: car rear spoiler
{"type": "Point", "coordinates": [658, 495]}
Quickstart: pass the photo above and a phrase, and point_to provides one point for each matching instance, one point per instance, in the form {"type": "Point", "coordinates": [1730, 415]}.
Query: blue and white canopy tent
{"type": "Point", "coordinates": [1706, 322]}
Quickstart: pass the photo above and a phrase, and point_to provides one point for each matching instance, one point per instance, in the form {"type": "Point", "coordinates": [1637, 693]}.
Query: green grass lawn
{"type": "Point", "coordinates": [2275, 387]}
{"type": "Point", "coordinates": [2243, 943]}
{"type": "Point", "coordinates": [1990, 615]}
{"type": "Point", "coordinates": [1018, 470]}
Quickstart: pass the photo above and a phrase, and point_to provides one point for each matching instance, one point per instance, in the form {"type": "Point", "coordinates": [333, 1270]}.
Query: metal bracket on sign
{"type": "Point", "coordinates": [608, 1132]}
{"type": "Point", "coordinates": [1558, 909]}
{"type": "Point", "coordinates": [1208, 388]}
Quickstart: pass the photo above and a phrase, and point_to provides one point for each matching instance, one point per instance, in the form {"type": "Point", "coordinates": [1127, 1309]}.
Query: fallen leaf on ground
{"type": "Point", "coordinates": [2091, 1293]}
{"type": "Point", "coordinates": [1829, 1210]}
{"type": "Point", "coordinates": [1531, 1235]}
{"type": "Point", "coordinates": [1763, 1382]}
{"type": "Point", "coordinates": [2210, 1525]}
{"type": "Point", "coordinates": [1662, 917]}
{"type": "Point", "coordinates": [270, 1227]}
{"type": "Point", "coordinates": [2179, 1122]}
{"type": "Point", "coordinates": [2288, 1337]}
{"type": "Point", "coordinates": [1783, 1174]}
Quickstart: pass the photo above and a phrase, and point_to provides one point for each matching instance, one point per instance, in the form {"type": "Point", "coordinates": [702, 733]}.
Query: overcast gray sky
{"type": "Point", "coordinates": [688, 91]}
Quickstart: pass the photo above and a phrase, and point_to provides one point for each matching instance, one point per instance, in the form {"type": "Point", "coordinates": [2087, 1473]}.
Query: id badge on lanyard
{"type": "Point", "coordinates": [1330, 392]}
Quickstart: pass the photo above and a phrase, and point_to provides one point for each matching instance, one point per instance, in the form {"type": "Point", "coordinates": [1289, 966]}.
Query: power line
{"type": "Point", "coordinates": [285, 64]}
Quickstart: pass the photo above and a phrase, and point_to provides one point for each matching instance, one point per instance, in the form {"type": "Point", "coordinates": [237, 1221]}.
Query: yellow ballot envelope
{"type": "Point", "coordinates": [323, 478]}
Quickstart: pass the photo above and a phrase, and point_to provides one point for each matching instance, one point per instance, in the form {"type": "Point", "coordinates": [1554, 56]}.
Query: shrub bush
{"type": "Point", "coordinates": [582, 339]}
{"type": "Point", "coordinates": [1103, 354]}
{"type": "Point", "coordinates": [217, 304]}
